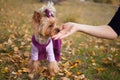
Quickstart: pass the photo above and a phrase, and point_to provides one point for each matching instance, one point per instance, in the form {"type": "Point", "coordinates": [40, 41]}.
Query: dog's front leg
{"type": "Point", "coordinates": [34, 65]}
{"type": "Point", "coordinates": [53, 68]}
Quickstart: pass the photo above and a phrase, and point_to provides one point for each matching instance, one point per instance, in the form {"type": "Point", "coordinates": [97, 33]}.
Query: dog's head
{"type": "Point", "coordinates": [44, 21]}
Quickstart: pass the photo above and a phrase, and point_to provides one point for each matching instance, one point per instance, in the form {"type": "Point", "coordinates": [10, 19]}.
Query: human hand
{"type": "Point", "coordinates": [66, 30]}
{"type": "Point", "coordinates": [53, 68]}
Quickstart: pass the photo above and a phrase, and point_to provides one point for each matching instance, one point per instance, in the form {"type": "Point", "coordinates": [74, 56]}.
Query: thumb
{"type": "Point", "coordinates": [62, 27]}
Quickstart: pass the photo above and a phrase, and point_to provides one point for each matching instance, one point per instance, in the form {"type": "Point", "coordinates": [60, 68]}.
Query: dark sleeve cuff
{"type": "Point", "coordinates": [115, 22]}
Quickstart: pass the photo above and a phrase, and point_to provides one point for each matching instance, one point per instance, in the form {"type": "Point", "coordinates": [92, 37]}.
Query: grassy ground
{"type": "Point", "coordinates": [83, 57]}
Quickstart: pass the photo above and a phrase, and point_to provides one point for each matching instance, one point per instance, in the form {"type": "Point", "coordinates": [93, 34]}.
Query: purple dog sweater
{"type": "Point", "coordinates": [42, 54]}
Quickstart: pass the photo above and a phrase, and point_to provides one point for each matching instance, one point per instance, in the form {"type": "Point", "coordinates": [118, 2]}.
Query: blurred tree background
{"type": "Point", "coordinates": [114, 2]}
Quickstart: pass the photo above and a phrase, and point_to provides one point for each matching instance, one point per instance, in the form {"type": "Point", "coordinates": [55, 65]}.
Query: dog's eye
{"type": "Point", "coordinates": [50, 26]}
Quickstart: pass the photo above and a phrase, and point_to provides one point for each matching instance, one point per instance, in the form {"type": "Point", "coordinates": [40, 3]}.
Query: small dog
{"type": "Point", "coordinates": [43, 46]}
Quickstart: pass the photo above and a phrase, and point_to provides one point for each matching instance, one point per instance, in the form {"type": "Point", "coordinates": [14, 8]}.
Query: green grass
{"type": "Point", "coordinates": [99, 58]}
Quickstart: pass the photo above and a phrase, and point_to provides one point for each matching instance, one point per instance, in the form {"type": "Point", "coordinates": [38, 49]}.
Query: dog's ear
{"type": "Point", "coordinates": [37, 17]}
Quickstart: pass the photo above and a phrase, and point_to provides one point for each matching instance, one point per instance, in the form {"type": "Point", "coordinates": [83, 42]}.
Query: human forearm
{"type": "Point", "coordinates": [103, 31]}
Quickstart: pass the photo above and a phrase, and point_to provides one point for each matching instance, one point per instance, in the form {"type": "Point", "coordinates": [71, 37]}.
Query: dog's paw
{"type": "Point", "coordinates": [53, 68]}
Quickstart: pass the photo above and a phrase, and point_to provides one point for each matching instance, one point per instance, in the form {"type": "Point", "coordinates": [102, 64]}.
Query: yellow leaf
{"type": "Point", "coordinates": [75, 65]}
{"type": "Point", "coordinates": [1, 60]}
{"type": "Point", "coordinates": [73, 51]}
{"type": "Point", "coordinates": [28, 39]}
{"type": "Point", "coordinates": [12, 36]}
{"type": "Point", "coordinates": [27, 54]}
{"type": "Point", "coordinates": [22, 14]}
{"type": "Point", "coordinates": [12, 60]}
{"type": "Point", "coordinates": [63, 58]}
{"type": "Point", "coordinates": [10, 41]}
{"type": "Point", "coordinates": [106, 61]}
{"type": "Point", "coordinates": [102, 48]}
{"type": "Point", "coordinates": [41, 69]}
{"type": "Point", "coordinates": [52, 78]}
{"type": "Point", "coordinates": [78, 61]}
{"type": "Point", "coordinates": [92, 60]}
{"type": "Point", "coordinates": [113, 49]}
{"type": "Point", "coordinates": [22, 43]}
{"type": "Point", "coordinates": [94, 64]}
{"type": "Point", "coordinates": [109, 58]}
{"type": "Point", "coordinates": [118, 65]}
{"type": "Point", "coordinates": [6, 69]}
{"type": "Point", "coordinates": [14, 73]}
{"type": "Point", "coordinates": [25, 70]}
{"type": "Point", "coordinates": [92, 53]}
{"type": "Point", "coordinates": [61, 74]}
{"type": "Point", "coordinates": [5, 43]}
{"type": "Point", "coordinates": [67, 64]}
{"type": "Point", "coordinates": [15, 49]}
{"type": "Point", "coordinates": [116, 54]}
{"type": "Point", "coordinates": [20, 71]}
{"type": "Point", "coordinates": [80, 77]}
{"type": "Point", "coordinates": [67, 73]}
{"type": "Point", "coordinates": [12, 26]}
{"type": "Point", "coordinates": [2, 9]}
{"type": "Point", "coordinates": [1, 46]}
{"type": "Point", "coordinates": [79, 73]}
{"type": "Point", "coordinates": [96, 46]}
{"type": "Point", "coordinates": [100, 70]}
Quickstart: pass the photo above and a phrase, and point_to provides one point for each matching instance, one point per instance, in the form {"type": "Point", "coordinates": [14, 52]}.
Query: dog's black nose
{"type": "Point", "coordinates": [57, 30]}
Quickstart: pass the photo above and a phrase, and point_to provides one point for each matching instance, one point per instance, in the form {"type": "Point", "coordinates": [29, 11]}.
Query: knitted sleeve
{"type": "Point", "coordinates": [50, 51]}
{"type": "Point", "coordinates": [34, 51]}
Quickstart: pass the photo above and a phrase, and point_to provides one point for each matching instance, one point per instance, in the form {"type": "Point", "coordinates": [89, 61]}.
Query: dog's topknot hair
{"type": "Point", "coordinates": [50, 7]}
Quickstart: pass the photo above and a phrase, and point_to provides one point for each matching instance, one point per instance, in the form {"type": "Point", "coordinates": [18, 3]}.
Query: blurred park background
{"type": "Point", "coordinates": [83, 57]}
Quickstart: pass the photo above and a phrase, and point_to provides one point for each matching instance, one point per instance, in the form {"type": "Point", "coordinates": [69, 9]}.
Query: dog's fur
{"type": "Point", "coordinates": [44, 28]}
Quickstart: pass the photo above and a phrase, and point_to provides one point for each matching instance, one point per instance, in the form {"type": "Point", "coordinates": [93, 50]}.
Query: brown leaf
{"type": "Point", "coordinates": [10, 41]}
{"type": "Point", "coordinates": [67, 73]}
{"type": "Point", "coordinates": [118, 65]}
{"type": "Point", "coordinates": [64, 78]}
{"type": "Point", "coordinates": [27, 54]}
{"type": "Point", "coordinates": [1, 60]}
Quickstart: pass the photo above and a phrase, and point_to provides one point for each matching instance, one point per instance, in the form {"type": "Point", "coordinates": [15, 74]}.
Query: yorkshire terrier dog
{"type": "Point", "coordinates": [43, 46]}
